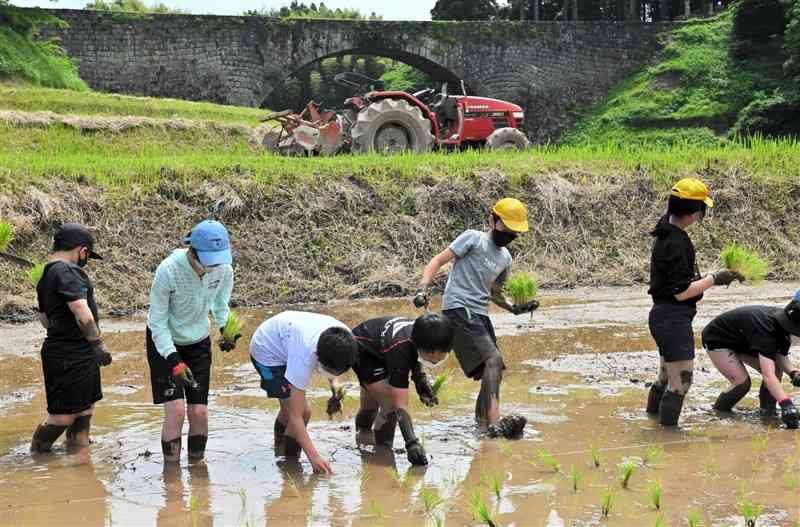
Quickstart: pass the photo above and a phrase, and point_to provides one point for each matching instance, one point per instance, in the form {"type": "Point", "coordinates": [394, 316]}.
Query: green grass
{"type": "Point", "coordinates": [35, 273]}
{"type": "Point", "coordinates": [142, 156]}
{"type": "Point", "coordinates": [747, 263]}
{"type": "Point", "coordinates": [522, 287]}
{"type": "Point", "coordinates": [6, 235]}
{"type": "Point", "coordinates": [233, 327]}
{"type": "Point", "coordinates": [27, 98]}
{"type": "Point", "coordinates": [692, 94]}
{"type": "Point", "coordinates": [41, 63]}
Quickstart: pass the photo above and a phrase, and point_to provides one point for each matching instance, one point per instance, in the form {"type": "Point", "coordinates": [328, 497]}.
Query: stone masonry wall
{"type": "Point", "coordinates": [550, 68]}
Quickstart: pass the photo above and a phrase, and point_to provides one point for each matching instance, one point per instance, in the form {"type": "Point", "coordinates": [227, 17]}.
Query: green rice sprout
{"type": "Point", "coordinates": [495, 484]}
{"type": "Point", "coordinates": [626, 472]}
{"type": "Point", "coordinates": [439, 383]}
{"type": "Point", "coordinates": [6, 235]}
{"type": "Point", "coordinates": [547, 458]}
{"type": "Point", "coordinates": [745, 262]}
{"type": "Point", "coordinates": [377, 510]}
{"type": "Point", "coordinates": [35, 273]}
{"type": "Point", "coordinates": [430, 500]}
{"type": "Point", "coordinates": [653, 455]}
{"type": "Point", "coordinates": [522, 287]}
{"type": "Point", "coordinates": [750, 512]}
{"type": "Point", "coordinates": [660, 522]}
{"type": "Point", "coordinates": [233, 327]}
{"type": "Point", "coordinates": [480, 509]}
{"type": "Point", "coordinates": [607, 501]}
{"type": "Point", "coordinates": [575, 477]}
{"type": "Point", "coordinates": [656, 493]}
{"type": "Point", "coordinates": [693, 519]}
{"type": "Point", "coordinates": [595, 453]}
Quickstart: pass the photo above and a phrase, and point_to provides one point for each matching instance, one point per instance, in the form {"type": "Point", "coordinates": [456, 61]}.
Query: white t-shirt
{"type": "Point", "coordinates": [290, 339]}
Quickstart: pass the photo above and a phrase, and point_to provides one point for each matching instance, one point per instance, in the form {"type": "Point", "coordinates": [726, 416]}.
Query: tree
{"type": "Point", "coordinates": [131, 6]}
{"type": "Point", "coordinates": [301, 10]}
{"type": "Point", "coordinates": [791, 42]}
{"type": "Point", "coordinates": [465, 10]}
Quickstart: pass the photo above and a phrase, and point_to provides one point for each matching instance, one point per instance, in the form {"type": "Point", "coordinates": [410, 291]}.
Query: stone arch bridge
{"type": "Point", "coordinates": [550, 68]}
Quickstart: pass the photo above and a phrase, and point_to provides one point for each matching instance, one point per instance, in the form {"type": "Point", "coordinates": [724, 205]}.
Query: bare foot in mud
{"type": "Point", "coordinates": [509, 427]}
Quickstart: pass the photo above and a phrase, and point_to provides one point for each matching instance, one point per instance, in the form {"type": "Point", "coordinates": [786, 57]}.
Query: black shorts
{"type": "Point", "coordinates": [671, 328]}
{"type": "Point", "coordinates": [71, 379]}
{"type": "Point", "coordinates": [273, 380]}
{"type": "Point", "coordinates": [196, 356]}
{"type": "Point", "coordinates": [474, 341]}
{"type": "Point", "coordinates": [370, 369]}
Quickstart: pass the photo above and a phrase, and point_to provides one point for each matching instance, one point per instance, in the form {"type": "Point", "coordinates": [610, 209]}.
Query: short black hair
{"type": "Point", "coordinates": [337, 349]}
{"type": "Point", "coordinates": [683, 207]}
{"type": "Point", "coordinates": [432, 332]}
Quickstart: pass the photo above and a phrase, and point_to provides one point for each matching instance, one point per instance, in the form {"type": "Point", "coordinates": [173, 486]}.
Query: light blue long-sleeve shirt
{"type": "Point", "coordinates": [180, 301]}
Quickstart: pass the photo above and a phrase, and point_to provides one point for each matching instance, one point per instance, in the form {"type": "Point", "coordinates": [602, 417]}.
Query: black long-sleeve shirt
{"type": "Point", "coordinates": [673, 265]}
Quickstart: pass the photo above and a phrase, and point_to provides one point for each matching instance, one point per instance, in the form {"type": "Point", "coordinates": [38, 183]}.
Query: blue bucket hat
{"type": "Point", "coordinates": [789, 316]}
{"type": "Point", "coordinates": [211, 242]}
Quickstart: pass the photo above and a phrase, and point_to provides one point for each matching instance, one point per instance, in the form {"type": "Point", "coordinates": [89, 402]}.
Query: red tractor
{"type": "Point", "coordinates": [396, 121]}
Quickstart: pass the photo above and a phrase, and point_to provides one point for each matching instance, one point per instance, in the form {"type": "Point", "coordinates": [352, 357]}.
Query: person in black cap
{"type": "Point", "coordinates": [676, 286]}
{"type": "Point", "coordinates": [73, 350]}
{"type": "Point", "coordinates": [759, 337]}
{"type": "Point", "coordinates": [392, 349]}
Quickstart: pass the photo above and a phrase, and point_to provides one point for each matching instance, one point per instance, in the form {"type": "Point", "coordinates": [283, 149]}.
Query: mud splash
{"type": "Point", "coordinates": [577, 370]}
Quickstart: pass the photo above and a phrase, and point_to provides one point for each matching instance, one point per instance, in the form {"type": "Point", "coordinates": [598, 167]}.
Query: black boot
{"type": "Point", "coordinates": [670, 409]}
{"type": "Point", "coordinates": [385, 434]}
{"type": "Point", "coordinates": [44, 437]}
{"type": "Point", "coordinates": [365, 418]}
{"type": "Point", "coordinates": [766, 401]}
{"type": "Point", "coordinates": [171, 449]}
{"type": "Point", "coordinates": [285, 445]}
{"type": "Point", "coordinates": [196, 446]}
{"type": "Point", "coordinates": [654, 398]}
{"type": "Point", "coordinates": [727, 400]}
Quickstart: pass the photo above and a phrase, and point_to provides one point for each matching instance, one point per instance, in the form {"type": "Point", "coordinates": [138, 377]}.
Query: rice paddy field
{"type": "Point", "coordinates": [578, 370]}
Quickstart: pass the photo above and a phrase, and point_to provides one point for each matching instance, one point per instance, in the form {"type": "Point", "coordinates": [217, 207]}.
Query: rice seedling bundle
{"type": "Point", "coordinates": [233, 327]}
{"type": "Point", "coordinates": [522, 287]}
{"type": "Point", "coordinates": [625, 474]}
{"type": "Point", "coordinates": [6, 235]}
{"type": "Point", "coordinates": [439, 383]}
{"type": "Point", "coordinates": [607, 502]}
{"type": "Point", "coordinates": [750, 512]}
{"type": "Point", "coordinates": [747, 263]}
{"type": "Point", "coordinates": [656, 493]}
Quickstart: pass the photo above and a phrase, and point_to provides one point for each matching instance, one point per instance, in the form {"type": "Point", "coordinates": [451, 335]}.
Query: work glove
{"type": "Point", "coordinates": [424, 389]}
{"type": "Point", "coordinates": [100, 353]}
{"type": "Point", "coordinates": [183, 377]}
{"type": "Point", "coordinates": [530, 307]}
{"type": "Point", "coordinates": [415, 452]}
{"type": "Point", "coordinates": [726, 277]}
{"type": "Point", "coordinates": [225, 344]}
{"type": "Point", "coordinates": [794, 375]}
{"type": "Point", "coordinates": [421, 299]}
{"type": "Point", "coordinates": [789, 414]}
{"type": "Point", "coordinates": [335, 401]}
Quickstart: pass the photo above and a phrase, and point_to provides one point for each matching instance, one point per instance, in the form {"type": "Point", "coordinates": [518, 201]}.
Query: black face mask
{"type": "Point", "coordinates": [83, 261]}
{"type": "Point", "coordinates": [502, 238]}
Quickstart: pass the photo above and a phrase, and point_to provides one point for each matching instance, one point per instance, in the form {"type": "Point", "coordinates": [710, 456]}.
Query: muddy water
{"type": "Point", "coordinates": [577, 370]}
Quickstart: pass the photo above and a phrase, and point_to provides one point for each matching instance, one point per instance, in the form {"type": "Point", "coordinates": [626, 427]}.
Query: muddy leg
{"type": "Point", "coordinates": [198, 431]}
{"type": "Point", "coordinates": [487, 407]}
{"type": "Point", "coordinates": [172, 428]}
{"type": "Point", "coordinates": [48, 432]}
{"type": "Point", "coordinates": [285, 444]}
{"type": "Point", "coordinates": [729, 365]}
{"type": "Point", "coordinates": [367, 412]}
{"type": "Point", "coordinates": [657, 389]}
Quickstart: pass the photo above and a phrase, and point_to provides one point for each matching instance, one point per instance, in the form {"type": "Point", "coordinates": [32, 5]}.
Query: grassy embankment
{"type": "Point", "coordinates": [692, 93]}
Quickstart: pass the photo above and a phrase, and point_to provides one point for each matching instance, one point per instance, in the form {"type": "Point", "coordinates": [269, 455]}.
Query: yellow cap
{"type": "Point", "coordinates": [692, 188]}
{"type": "Point", "coordinates": [513, 213]}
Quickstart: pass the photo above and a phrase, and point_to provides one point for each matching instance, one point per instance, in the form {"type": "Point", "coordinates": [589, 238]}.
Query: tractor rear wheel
{"type": "Point", "coordinates": [391, 126]}
{"type": "Point", "coordinates": [507, 139]}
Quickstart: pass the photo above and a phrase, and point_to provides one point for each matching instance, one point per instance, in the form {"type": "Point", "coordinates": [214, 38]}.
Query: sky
{"type": "Point", "coordinates": [390, 10]}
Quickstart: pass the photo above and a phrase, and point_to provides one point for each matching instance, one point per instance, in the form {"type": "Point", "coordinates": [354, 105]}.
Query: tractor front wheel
{"type": "Point", "coordinates": [391, 126]}
{"type": "Point", "coordinates": [507, 139]}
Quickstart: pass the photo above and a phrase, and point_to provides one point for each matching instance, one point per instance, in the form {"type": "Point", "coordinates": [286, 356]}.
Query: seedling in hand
{"type": "Point", "coordinates": [747, 263]}
{"type": "Point", "coordinates": [439, 383]}
{"type": "Point", "coordinates": [233, 327]}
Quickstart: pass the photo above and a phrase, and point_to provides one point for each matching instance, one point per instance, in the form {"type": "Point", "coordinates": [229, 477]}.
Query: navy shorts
{"type": "Point", "coordinates": [272, 380]}
{"type": "Point", "coordinates": [474, 341]}
{"type": "Point", "coordinates": [671, 328]}
{"type": "Point", "coordinates": [196, 356]}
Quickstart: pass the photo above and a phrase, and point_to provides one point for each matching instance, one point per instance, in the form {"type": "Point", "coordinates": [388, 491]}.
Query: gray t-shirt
{"type": "Point", "coordinates": [479, 263]}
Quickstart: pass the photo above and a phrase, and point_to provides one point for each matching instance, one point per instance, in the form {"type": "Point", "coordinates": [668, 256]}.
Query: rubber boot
{"type": "Point", "coordinates": [384, 434]}
{"type": "Point", "coordinates": [44, 437]}
{"type": "Point", "coordinates": [767, 402]}
{"type": "Point", "coordinates": [654, 398]}
{"type": "Point", "coordinates": [285, 445]}
{"type": "Point", "coordinates": [171, 450]}
{"type": "Point", "coordinates": [670, 409]}
{"type": "Point", "coordinates": [365, 418]}
{"type": "Point", "coordinates": [196, 446]}
{"type": "Point", "coordinates": [727, 400]}
{"type": "Point", "coordinates": [78, 431]}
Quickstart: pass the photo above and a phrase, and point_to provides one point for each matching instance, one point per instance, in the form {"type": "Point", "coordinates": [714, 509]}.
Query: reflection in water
{"type": "Point", "coordinates": [575, 372]}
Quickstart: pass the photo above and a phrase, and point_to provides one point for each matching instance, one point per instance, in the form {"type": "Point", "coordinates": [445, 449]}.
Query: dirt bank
{"type": "Point", "coordinates": [319, 238]}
